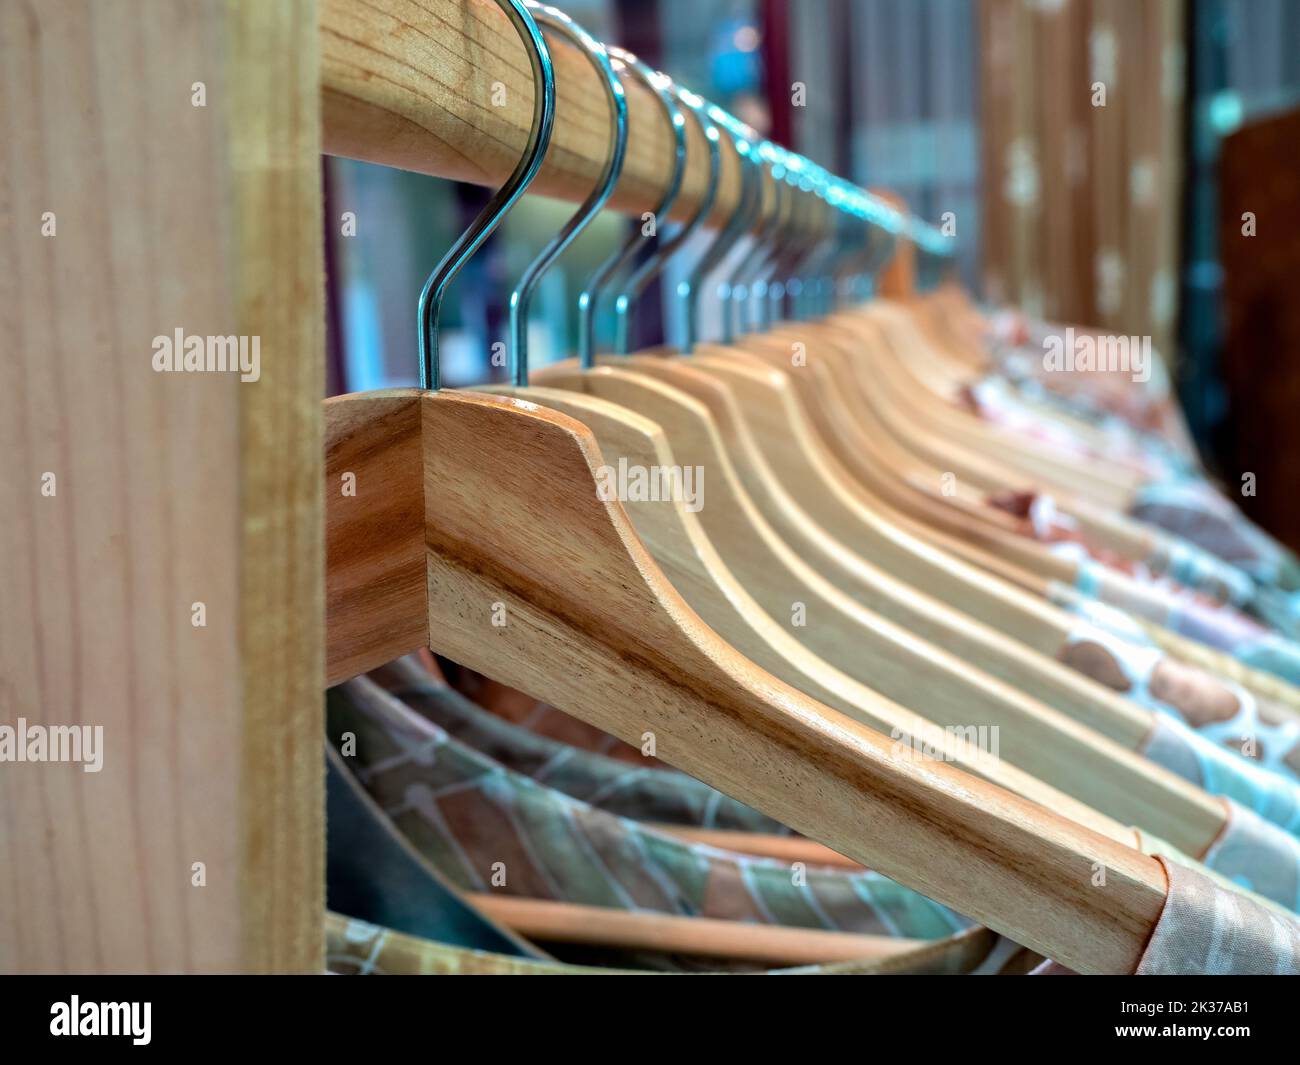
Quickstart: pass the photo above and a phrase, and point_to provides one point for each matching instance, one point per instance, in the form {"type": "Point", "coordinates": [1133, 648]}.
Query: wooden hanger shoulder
{"type": "Point", "coordinates": [513, 517]}
{"type": "Point", "coordinates": [930, 681]}
{"type": "Point", "coordinates": [829, 492]}
{"type": "Point", "coordinates": [885, 472]}
{"type": "Point", "coordinates": [680, 546]}
{"type": "Point", "coordinates": [794, 461]}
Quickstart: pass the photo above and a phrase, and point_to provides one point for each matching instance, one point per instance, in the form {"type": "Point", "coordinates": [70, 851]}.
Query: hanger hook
{"type": "Point", "coordinates": [539, 139]}
{"type": "Point", "coordinates": [805, 284]}
{"type": "Point", "coordinates": [656, 260]}
{"type": "Point", "coordinates": [727, 287]}
{"type": "Point", "coordinates": [779, 236]}
{"type": "Point", "coordinates": [839, 196]}
{"type": "Point", "coordinates": [590, 207]}
{"type": "Point", "coordinates": [804, 249]}
{"type": "Point", "coordinates": [688, 290]}
{"type": "Point", "coordinates": [863, 260]}
{"type": "Point", "coordinates": [590, 295]}
{"type": "Point", "coordinates": [765, 242]}
{"type": "Point", "coordinates": [934, 254]}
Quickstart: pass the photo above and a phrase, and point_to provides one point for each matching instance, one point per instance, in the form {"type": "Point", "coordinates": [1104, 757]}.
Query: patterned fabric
{"type": "Point", "coordinates": [1182, 585]}
{"type": "Point", "coordinates": [1236, 856]}
{"type": "Point", "coordinates": [1174, 746]}
{"type": "Point", "coordinates": [1019, 399]}
{"type": "Point", "coordinates": [1195, 511]}
{"type": "Point", "coordinates": [358, 948]}
{"type": "Point", "coordinates": [1000, 401]}
{"type": "Point", "coordinates": [1174, 568]}
{"type": "Point", "coordinates": [1238, 868]}
{"type": "Point", "coordinates": [665, 796]}
{"type": "Point", "coordinates": [1205, 929]}
{"type": "Point", "coordinates": [1210, 548]}
{"type": "Point", "coordinates": [1108, 647]}
{"type": "Point", "coordinates": [1218, 626]}
{"type": "Point", "coordinates": [373, 874]}
{"type": "Point", "coordinates": [544, 720]}
{"type": "Point", "coordinates": [1236, 872]}
{"type": "Point", "coordinates": [486, 828]}
{"type": "Point", "coordinates": [1266, 687]}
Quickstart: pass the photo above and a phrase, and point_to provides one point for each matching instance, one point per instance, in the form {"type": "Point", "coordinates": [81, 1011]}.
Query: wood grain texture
{"type": "Point", "coordinates": [885, 659]}
{"type": "Point", "coordinates": [901, 538]}
{"type": "Point", "coordinates": [681, 547]}
{"type": "Point", "coordinates": [788, 475]}
{"type": "Point", "coordinates": [171, 488]}
{"type": "Point", "coordinates": [374, 539]}
{"type": "Point", "coordinates": [513, 517]}
{"type": "Point", "coordinates": [410, 84]}
{"type": "Point", "coordinates": [782, 848]}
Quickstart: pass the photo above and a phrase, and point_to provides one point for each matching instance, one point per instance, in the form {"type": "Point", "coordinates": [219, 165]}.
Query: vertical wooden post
{"type": "Point", "coordinates": [161, 557]}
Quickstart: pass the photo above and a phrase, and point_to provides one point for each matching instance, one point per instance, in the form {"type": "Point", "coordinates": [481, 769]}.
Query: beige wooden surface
{"type": "Point", "coordinates": [592, 627]}
{"type": "Point", "coordinates": [170, 488]}
{"type": "Point", "coordinates": [443, 87]}
{"type": "Point", "coordinates": [567, 922]}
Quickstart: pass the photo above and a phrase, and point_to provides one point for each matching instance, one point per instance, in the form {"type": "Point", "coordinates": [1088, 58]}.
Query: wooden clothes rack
{"type": "Point", "coordinates": [187, 196]}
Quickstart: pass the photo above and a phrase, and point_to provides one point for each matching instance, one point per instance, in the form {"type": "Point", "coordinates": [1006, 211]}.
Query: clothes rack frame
{"type": "Point", "coordinates": [162, 546]}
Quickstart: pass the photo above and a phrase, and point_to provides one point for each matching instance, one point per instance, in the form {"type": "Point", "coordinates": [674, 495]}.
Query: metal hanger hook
{"type": "Point", "coordinates": [530, 162]}
{"type": "Point", "coordinates": [750, 268]}
{"type": "Point", "coordinates": [659, 257]}
{"type": "Point", "coordinates": [590, 207]}
{"type": "Point", "coordinates": [636, 239]}
{"type": "Point", "coordinates": [744, 142]}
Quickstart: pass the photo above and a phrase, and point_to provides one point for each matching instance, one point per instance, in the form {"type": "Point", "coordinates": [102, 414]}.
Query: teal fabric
{"type": "Point", "coordinates": [1178, 748]}
{"type": "Point", "coordinates": [1208, 756]}
{"type": "Point", "coordinates": [1239, 854]}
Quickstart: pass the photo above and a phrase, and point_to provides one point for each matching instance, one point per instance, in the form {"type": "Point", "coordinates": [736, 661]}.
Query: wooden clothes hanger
{"type": "Point", "coordinates": [881, 464]}
{"type": "Point", "coordinates": [842, 450]}
{"type": "Point", "coordinates": [960, 331]}
{"type": "Point", "coordinates": [593, 628]}
{"type": "Point", "coordinates": [1049, 628]}
{"type": "Point", "coordinates": [961, 443]}
{"type": "Point", "coordinates": [847, 431]}
{"type": "Point", "coordinates": [908, 357]}
{"type": "Point", "coordinates": [1109, 782]}
{"type": "Point", "coordinates": [870, 652]}
{"type": "Point", "coordinates": [929, 617]}
{"type": "Point", "coordinates": [1143, 719]}
{"type": "Point", "coordinates": [906, 549]}
{"type": "Point", "coordinates": [1112, 529]}
{"type": "Point", "coordinates": [775, 945]}
{"type": "Point", "coordinates": [949, 435]}
{"type": "Point", "coordinates": [509, 523]}
{"type": "Point", "coordinates": [859, 644]}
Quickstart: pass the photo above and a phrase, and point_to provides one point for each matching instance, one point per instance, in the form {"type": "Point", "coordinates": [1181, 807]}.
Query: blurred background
{"type": "Point", "coordinates": [1171, 208]}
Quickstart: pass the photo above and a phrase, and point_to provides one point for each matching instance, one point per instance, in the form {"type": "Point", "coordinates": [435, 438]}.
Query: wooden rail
{"type": "Point", "coordinates": [443, 87]}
